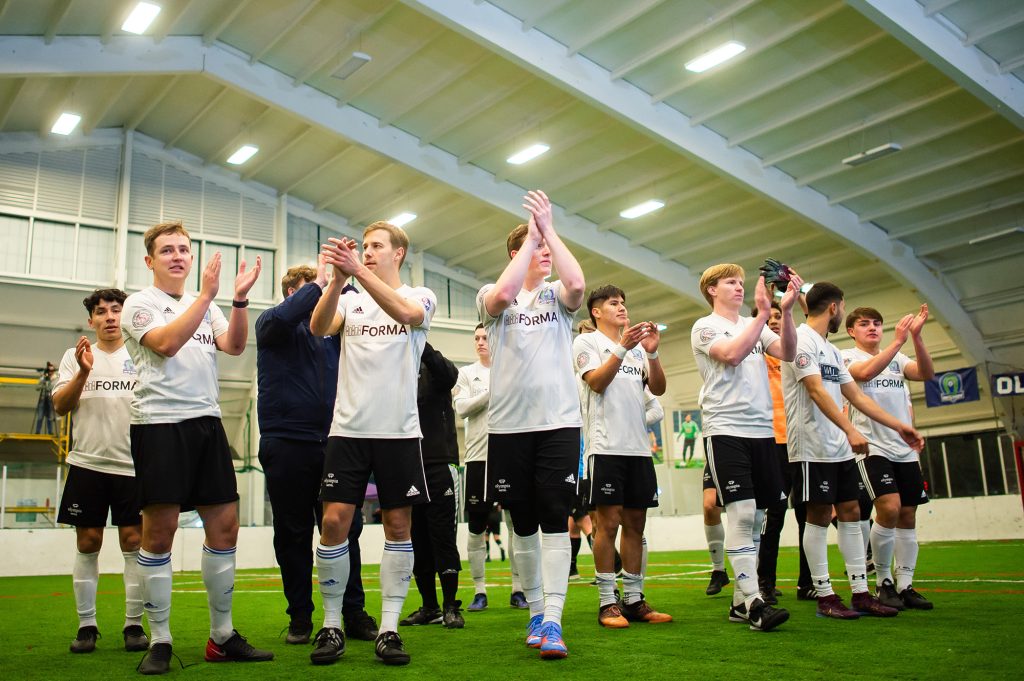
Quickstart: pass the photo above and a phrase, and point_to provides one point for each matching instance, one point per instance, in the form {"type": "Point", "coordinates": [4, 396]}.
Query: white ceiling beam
{"type": "Point", "coordinates": [109, 100]}
{"type": "Point", "coordinates": [964, 262]}
{"type": "Point", "coordinates": [366, 179]}
{"type": "Point", "coordinates": [196, 118]}
{"type": "Point", "coordinates": [378, 70]}
{"type": "Point", "coordinates": [974, 70]}
{"type": "Point", "coordinates": [698, 219]}
{"type": "Point", "coordinates": [260, 52]}
{"type": "Point", "coordinates": [482, 224]}
{"type": "Point", "coordinates": [771, 85]}
{"type": "Point", "coordinates": [151, 103]}
{"type": "Point", "coordinates": [671, 201]}
{"type": "Point", "coordinates": [489, 245]}
{"type": "Point", "coordinates": [8, 106]}
{"type": "Point", "coordinates": [546, 9]}
{"type": "Point", "coordinates": [114, 20]}
{"type": "Point", "coordinates": [57, 14]}
{"type": "Point", "coordinates": [492, 98]}
{"type": "Point", "coordinates": [215, 31]}
{"type": "Point", "coordinates": [666, 46]}
{"type": "Point", "coordinates": [634, 149]}
{"type": "Point", "coordinates": [763, 45]}
{"type": "Point", "coordinates": [1002, 23]}
{"type": "Point", "coordinates": [277, 153]}
{"type": "Point", "coordinates": [935, 6]}
{"type": "Point", "coordinates": [433, 89]}
{"type": "Point", "coordinates": [65, 90]}
{"type": "Point", "coordinates": [725, 235]}
{"type": "Point", "coordinates": [339, 155]}
{"type": "Point", "coordinates": [559, 147]}
{"type": "Point", "coordinates": [351, 37]}
{"type": "Point", "coordinates": [628, 12]}
{"type": "Point", "coordinates": [760, 249]}
{"type": "Point", "coordinates": [236, 141]}
{"type": "Point", "coordinates": [536, 51]}
{"type": "Point", "coordinates": [1012, 64]}
{"type": "Point", "coordinates": [942, 193]}
{"type": "Point", "coordinates": [167, 22]}
{"type": "Point", "coordinates": [933, 246]}
{"type": "Point", "coordinates": [975, 210]}
{"type": "Point", "coordinates": [604, 195]}
{"type": "Point", "coordinates": [538, 117]}
{"type": "Point", "coordinates": [806, 109]}
{"type": "Point", "coordinates": [376, 209]}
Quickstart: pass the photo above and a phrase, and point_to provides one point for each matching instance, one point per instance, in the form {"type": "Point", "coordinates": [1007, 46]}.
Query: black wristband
{"type": "Point", "coordinates": [240, 303]}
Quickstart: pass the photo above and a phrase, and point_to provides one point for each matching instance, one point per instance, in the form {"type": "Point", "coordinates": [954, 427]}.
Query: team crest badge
{"type": "Point", "coordinates": [803, 360]}
{"type": "Point", "coordinates": [707, 334]}
{"type": "Point", "coordinates": [141, 319]}
{"type": "Point", "coordinates": [582, 359]}
{"type": "Point", "coordinates": [426, 303]}
{"type": "Point", "coordinates": [547, 296]}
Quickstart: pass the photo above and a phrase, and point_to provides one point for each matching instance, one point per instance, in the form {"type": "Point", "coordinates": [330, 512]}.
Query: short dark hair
{"type": "Point", "coordinates": [601, 294]}
{"type": "Point", "coordinates": [822, 295]}
{"type": "Point", "coordinates": [776, 306]}
{"type": "Point", "coordinates": [863, 313]}
{"type": "Point", "coordinates": [295, 276]}
{"type": "Point", "coordinates": [107, 295]}
{"type": "Point", "coordinates": [478, 327]}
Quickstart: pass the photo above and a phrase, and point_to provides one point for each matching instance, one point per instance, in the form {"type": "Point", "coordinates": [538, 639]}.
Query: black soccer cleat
{"type": "Point", "coordinates": [423, 616]}
{"type": "Point", "coordinates": [887, 595]}
{"type": "Point", "coordinates": [85, 640]}
{"type": "Point", "coordinates": [806, 593]}
{"type": "Point", "coordinates": [235, 649]}
{"type": "Point", "coordinates": [764, 617]}
{"type": "Point", "coordinates": [738, 613]}
{"type": "Point", "coordinates": [768, 591]}
{"type": "Point", "coordinates": [328, 646]}
{"type": "Point", "coordinates": [360, 626]}
{"type": "Point", "coordinates": [719, 579]}
{"type": "Point", "coordinates": [299, 632]}
{"type": "Point", "coordinates": [518, 600]}
{"type": "Point", "coordinates": [915, 601]}
{"type": "Point", "coordinates": [135, 640]}
{"type": "Point", "coordinates": [452, 617]}
{"type": "Point", "coordinates": [390, 649]}
{"type": "Point", "coordinates": [157, 660]}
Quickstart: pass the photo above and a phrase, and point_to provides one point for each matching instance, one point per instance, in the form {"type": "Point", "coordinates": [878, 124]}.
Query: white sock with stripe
{"type": "Point", "coordinates": [332, 570]}
{"type": "Point", "coordinates": [395, 575]}
{"type": "Point", "coordinates": [218, 566]}
{"type": "Point", "coordinates": [740, 549]}
{"type": "Point", "coordinates": [155, 569]}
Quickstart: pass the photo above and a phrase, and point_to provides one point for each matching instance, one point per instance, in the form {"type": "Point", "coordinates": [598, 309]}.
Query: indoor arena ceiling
{"type": "Point", "coordinates": [747, 157]}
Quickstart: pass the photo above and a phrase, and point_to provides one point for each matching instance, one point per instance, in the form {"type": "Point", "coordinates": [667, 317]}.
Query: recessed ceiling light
{"type": "Point", "coordinates": [715, 57]}
{"type": "Point", "coordinates": [527, 154]}
{"type": "Point", "coordinates": [642, 209]}
{"type": "Point", "coordinates": [140, 18]}
{"type": "Point", "coordinates": [66, 123]}
{"type": "Point", "coordinates": [244, 153]}
{"type": "Point", "coordinates": [402, 219]}
{"type": "Point", "coordinates": [872, 154]}
{"type": "Point", "coordinates": [357, 61]}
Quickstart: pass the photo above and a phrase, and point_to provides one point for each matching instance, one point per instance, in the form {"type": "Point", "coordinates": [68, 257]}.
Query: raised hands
{"type": "Point", "coordinates": [83, 354]}
{"type": "Point", "coordinates": [245, 279]}
{"type": "Point", "coordinates": [539, 207]}
{"type": "Point", "coordinates": [792, 293]}
{"type": "Point", "coordinates": [321, 271]}
{"type": "Point", "coordinates": [651, 339]}
{"type": "Point", "coordinates": [343, 255]}
{"type": "Point", "coordinates": [902, 329]}
{"type": "Point", "coordinates": [919, 321]}
{"type": "Point", "coordinates": [762, 301]}
{"type": "Point", "coordinates": [632, 335]}
{"type": "Point", "coordinates": [210, 284]}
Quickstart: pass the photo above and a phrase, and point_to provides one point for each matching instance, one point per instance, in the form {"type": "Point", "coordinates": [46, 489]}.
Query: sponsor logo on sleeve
{"type": "Point", "coordinates": [582, 359]}
{"type": "Point", "coordinates": [141, 319]}
{"type": "Point", "coordinates": [802, 361]}
{"type": "Point", "coordinates": [706, 334]}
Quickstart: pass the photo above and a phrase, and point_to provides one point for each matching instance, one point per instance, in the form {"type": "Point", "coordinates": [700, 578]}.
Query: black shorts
{"type": "Point", "coordinates": [187, 463]}
{"type": "Point", "coordinates": [396, 465]}
{"type": "Point", "coordinates": [882, 476]}
{"type": "Point", "coordinates": [442, 482]}
{"type": "Point", "coordinates": [709, 482]}
{"type": "Point", "coordinates": [88, 494]}
{"type": "Point", "coordinates": [744, 468]}
{"type": "Point", "coordinates": [582, 506]}
{"type": "Point", "coordinates": [476, 488]}
{"type": "Point", "coordinates": [627, 481]}
{"type": "Point", "coordinates": [519, 463]}
{"type": "Point", "coordinates": [826, 483]}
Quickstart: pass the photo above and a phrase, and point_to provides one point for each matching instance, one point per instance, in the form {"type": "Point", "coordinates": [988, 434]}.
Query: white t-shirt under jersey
{"type": "Point", "coordinates": [378, 368]}
{"type": "Point", "coordinates": [172, 389]}
{"type": "Point", "coordinates": [616, 422]}
{"type": "Point", "coordinates": [735, 400]}
{"type": "Point", "coordinates": [811, 435]}
{"type": "Point", "coordinates": [100, 421]}
{"type": "Point", "coordinates": [889, 390]}
{"type": "Point", "coordinates": [472, 388]}
{"type": "Point", "coordinates": [533, 386]}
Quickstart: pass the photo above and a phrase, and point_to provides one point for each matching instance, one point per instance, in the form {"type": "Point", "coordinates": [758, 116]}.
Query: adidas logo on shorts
{"type": "Point", "coordinates": [449, 493]}
{"type": "Point", "coordinates": [571, 478]}
{"type": "Point", "coordinates": [412, 491]}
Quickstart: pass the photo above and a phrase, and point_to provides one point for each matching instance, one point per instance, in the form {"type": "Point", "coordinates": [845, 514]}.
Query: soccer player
{"type": "Point", "coordinates": [688, 430]}
{"type": "Point", "coordinates": [823, 441]}
{"type": "Point", "coordinates": [533, 417]}
{"type": "Point", "coordinates": [623, 484]}
{"type": "Point", "coordinates": [181, 453]}
{"type": "Point", "coordinates": [95, 386]}
{"type": "Point", "coordinates": [297, 374]}
{"type": "Point", "coordinates": [376, 427]}
{"type": "Point", "coordinates": [736, 413]}
{"type": "Point", "coordinates": [892, 469]}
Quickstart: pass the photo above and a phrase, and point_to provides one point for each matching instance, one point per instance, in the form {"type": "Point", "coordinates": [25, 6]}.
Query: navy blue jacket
{"type": "Point", "coordinates": [297, 372]}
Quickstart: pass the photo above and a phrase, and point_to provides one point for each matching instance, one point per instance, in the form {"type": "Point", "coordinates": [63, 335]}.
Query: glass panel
{"type": "Point", "coordinates": [53, 253]}
{"type": "Point", "coordinates": [13, 243]}
{"type": "Point", "coordinates": [462, 301]}
{"type": "Point", "coordinates": [265, 286]}
{"type": "Point", "coordinates": [1009, 462]}
{"type": "Point", "coordinates": [438, 283]}
{"type": "Point", "coordinates": [932, 469]}
{"type": "Point", "coordinates": [139, 275]}
{"type": "Point", "coordinates": [95, 262]}
{"type": "Point", "coordinates": [964, 468]}
{"type": "Point", "coordinates": [990, 452]}
{"type": "Point", "coordinates": [228, 267]}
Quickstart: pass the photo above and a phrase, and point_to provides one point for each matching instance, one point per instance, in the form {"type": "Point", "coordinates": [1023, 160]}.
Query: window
{"type": "Point", "coordinates": [53, 249]}
{"type": "Point", "coordinates": [13, 244]}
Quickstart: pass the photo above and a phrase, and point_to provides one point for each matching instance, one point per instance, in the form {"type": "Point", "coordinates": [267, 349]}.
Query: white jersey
{"type": "Point", "coordinates": [172, 389]}
{"type": "Point", "coordinates": [889, 390]}
{"type": "Point", "coordinates": [470, 396]}
{"type": "Point", "coordinates": [616, 418]}
{"type": "Point", "coordinates": [811, 435]}
{"type": "Point", "coordinates": [100, 421]}
{"type": "Point", "coordinates": [735, 400]}
{"type": "Point", "coordinates": [378, 368]}
{"type": "Point", "coordinates": [534, 387]}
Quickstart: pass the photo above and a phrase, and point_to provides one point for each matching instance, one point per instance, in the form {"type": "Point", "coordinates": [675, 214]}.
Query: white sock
{"type": "Point", "coordinates": [476, 547]}
{"type": "Point", "coordinates": [555, 555]}
{"type": "Point", "coordinates": [906, 557]}
{"type": "Point", "coordinates": [605, 587]}
{"type": "Point", "coordinates": [85, 577]}
{"type": "Point", "coordinates": [395, 575]}
{"type": "Point", "coordinates": [632, 587]}
{"type": "Point", "coordinates": [132, 589]}
{"type": "Point", "coordinates": [643, 556]}
{"type": "Point", "coordinates": [715, 535]}
{"type": "Point", "coordinates": [883, 543]}
{"type": "Point", "coordinates": [218, 567]}
{"type": "Point", "coordinates": [155, 569]}
{"type": "Point", "coordinates": [759, 516]}
{"type": "Point", "coordinates": [851, 545]}
{"type": "Point", "coordinates": [740, 549]}
{"type": "Point", "coordinates": [816, 549]}
{"type": "Point", "coordinates": [332, 568]}
{"type": "Point", "coordinates": [865, 530]}
{"type": "Point", "coordinates": [528, 556]}
{"type": "Point", "coordinates": [512, 564]}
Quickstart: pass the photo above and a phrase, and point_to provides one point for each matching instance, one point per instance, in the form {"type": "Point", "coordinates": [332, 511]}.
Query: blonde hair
{"type": "Point", "coordinates": [397, 235]}
{"type": "Point", "coordinates": [295, 275]}
{"type": "Point", "coordinates": [714, 274]}
{"type": "Point", "coordinates": [150, 237]}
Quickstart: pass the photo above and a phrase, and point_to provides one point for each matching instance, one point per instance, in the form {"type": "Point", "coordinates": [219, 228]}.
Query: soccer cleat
{"type": "Point", "coordinates": [452, 617]}
{"type": "Point", "coordinates": [390, 649]}
{"type": "Point", "coordinates": [135, 640]}
{"type": "Point", "coordinates": [768, 591]}
{"type": "Point", "coordinates": [361, 626]}
{"type": "Point", "coordinates": [85, 640]}
{"type": "Point", "coordinates": [328, 646]}
{"type": "Point", "coordinates": [518, 600]}
{"type": "Point", "coordinates": [738, 613]}
{"type": "Point", "coordinates": [298, 632]}
{"type": "Point", "coordinates": [642, 612]}
{"type": "Point", "coordinates": [832, 606]}
{"type": "Point", "coordinates": [552, 647]}
{"type": "Point", "coordinates": [157, 660]}
{"type": "Point", "coordinates": [533, 631]}
{"type": "Point", "coordinates": [423, 616]}
{"type": "Point", "coordinates": [887, 595]}
{"type": "Point", "coordinates": [235, 649]}
{"type": "Point", "coordinates": [610, 616]}
{"type": "Point", "coordinates": [764, 617]}
{"type": "Point", "coordinates": [806, 593]}
{"type": "Point", "coordinates": [719, 579]}
{"type": "Point", "coordinates": [915, 601]}
{"type": "Point", "coordinates": [867, 603]}
{"type": "Point", "coordinates": [479, 603]}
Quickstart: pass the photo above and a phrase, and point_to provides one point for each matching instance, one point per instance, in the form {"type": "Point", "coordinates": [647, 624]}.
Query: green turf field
{"type": "Point", "coordinates": [974, 631]}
